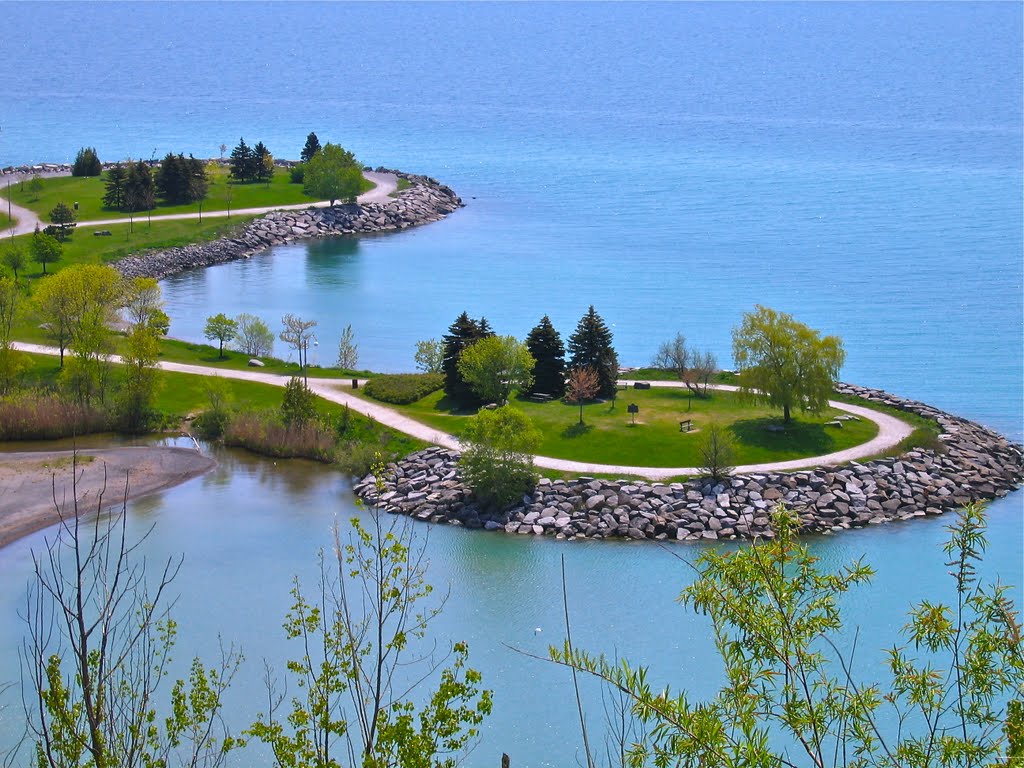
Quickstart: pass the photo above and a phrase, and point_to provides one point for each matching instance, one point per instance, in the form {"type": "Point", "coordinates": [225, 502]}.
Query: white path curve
{"type": "Point", "coordinates": [890, 429]}
{"type": "Point", "coordinates": [386, 184]}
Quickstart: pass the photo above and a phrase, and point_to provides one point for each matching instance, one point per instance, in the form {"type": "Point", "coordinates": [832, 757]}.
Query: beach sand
{"type": "Point", "coordinates": [30, 481]}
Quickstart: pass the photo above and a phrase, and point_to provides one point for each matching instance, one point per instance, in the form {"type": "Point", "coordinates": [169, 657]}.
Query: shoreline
{"type": "Point", "coordinates": [31, 480]}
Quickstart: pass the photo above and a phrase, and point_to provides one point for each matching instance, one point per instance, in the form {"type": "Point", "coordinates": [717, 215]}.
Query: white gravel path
{"type": "Point", "coordinates": [890, 430]}
{"type": "Point", "coordinates": [386, 183]}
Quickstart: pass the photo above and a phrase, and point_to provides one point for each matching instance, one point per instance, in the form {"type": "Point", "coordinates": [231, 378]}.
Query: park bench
{"type": "Point", "coordinates": [685, 425]}
{"type": "Point", "coordinates": [539, 397]}
{"type": "Point", "coordinates": [101, 233]}
{"type": "Point", "coordinates": [641, 385]}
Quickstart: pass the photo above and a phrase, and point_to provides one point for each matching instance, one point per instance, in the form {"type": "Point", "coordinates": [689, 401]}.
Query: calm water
{"type": "Point", "coordinates": [858, 165]}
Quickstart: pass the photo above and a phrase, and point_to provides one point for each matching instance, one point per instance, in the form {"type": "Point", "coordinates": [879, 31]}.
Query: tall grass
{"type": "Point", "coordinates": [33, 415]}
{"type": "Point", "coordinates": [263, 433]}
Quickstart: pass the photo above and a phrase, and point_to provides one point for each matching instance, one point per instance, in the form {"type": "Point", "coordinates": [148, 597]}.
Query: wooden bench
{"type": "Point", "coordinates": [539, 397]}
{"type": "Point", "coordinates": [685, 425]}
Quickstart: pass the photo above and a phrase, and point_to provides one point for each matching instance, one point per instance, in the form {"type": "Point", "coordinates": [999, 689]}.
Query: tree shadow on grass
{"type": "Point", "coordinates": [450, 407]}
{"type": "Point", "coordinates": [799, 436]}
{"type": "Point", "coordinates": [576, 430]}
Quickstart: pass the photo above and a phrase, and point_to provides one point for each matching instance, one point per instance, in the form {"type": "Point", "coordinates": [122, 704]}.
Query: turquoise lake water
{"type": "Point", "coordinates": [857, 165]}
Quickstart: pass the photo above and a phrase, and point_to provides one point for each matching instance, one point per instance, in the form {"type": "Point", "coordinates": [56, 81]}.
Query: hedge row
{"type": "Point", "coordinates": [403, 388]}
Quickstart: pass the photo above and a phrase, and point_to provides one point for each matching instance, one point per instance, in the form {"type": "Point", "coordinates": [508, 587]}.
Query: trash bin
{"type": "Point", "coordinates": [355, 383]}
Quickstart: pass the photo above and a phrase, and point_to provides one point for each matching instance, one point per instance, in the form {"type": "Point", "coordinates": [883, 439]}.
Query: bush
{"type": "Point", "coordinates": [44, 416]}
{"type": "Point", "coordinates": [403, 388]}
{"type": "Point", "coordinates": [717, 452]}
{"type": "Point", "coordinates": [497, 456]}
{"type": "Point", "coordinates": [297, 174]}
{"type": "Point", "coordinates": [266, 435]}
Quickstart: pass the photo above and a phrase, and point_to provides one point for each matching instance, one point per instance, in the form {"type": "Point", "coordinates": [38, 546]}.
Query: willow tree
{"type": "Point", "coordinates": [785, 363]}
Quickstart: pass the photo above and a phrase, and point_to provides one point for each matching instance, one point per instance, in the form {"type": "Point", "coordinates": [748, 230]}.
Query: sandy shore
{"type": "Point", "coordinates": [29, 481]}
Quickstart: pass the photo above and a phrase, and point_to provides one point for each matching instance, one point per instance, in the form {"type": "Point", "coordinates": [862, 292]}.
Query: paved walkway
{"type": "Point", "coordinates": [890, 430]}
{"type": "Point", "coordinates": [386, 183]}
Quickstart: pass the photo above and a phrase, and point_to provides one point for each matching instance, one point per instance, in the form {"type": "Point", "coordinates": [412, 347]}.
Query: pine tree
{"type": "Point", "coordinates": [171, 182]}
{"type": "Point", "coordinates": [311, 148]}
{"type": "Point", "coordinates": [242, 162]}
{"type": "Point", "coordinates": [87, 163]}
{"type": "Point", "coordinates": [263, 163]}
{"type": "Point", "coordinates": [139, 190]}
{"type": "Point", "coordinates": [545, 344]}
{"type": "Point", "coordinates": [198, 184]}
{"type": "Point", "coordinates": [463, 332]}
{"type": "Point", "coordinates": [114, 196]}
{"type": "Point", "coordinates": [591, 346]}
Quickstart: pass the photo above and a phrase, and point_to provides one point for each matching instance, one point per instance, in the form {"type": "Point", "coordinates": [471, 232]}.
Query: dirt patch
{"type": "Point", "coordinates": [34, 483]}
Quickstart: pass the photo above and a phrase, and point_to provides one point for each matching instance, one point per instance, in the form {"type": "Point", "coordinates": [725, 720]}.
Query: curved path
{"type": "Point", "coordinates": [386, 183]}
{"type": "Point", "coordinates": [890, 429]}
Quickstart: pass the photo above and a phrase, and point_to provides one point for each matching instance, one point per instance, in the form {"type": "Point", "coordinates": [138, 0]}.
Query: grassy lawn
{"type": "Point", "coordinates": [85, 248]}
{"type": "Point", "coordinates": [655, 440]}
{"type": "Point", "coordinates": [88, 193]}
{"type": "Point", "coordinates": [177, 351]}
{"type": "Point", "coordinates": [6, 222]}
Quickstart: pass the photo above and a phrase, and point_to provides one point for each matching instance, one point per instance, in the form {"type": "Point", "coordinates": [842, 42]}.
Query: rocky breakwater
{"type": "Point", "coordinates": [423, 201]}
{"type": "Point", "coordinates": [974, 464]}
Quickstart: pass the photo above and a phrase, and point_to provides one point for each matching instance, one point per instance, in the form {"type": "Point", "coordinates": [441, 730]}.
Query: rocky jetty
{"type": "Point", "coordinates": [423, 201]}
{"type": "Point", "coordinates": [975, 464]}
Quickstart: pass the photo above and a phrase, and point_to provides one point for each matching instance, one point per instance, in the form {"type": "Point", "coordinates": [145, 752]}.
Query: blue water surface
{"type": "Point", "coordinates": [674, 164]}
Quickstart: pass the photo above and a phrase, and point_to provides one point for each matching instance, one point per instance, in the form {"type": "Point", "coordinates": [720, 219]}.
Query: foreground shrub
{"type": "Point", "coordinates": [266, 435]}
{"type": "Point", "coordinates": [403, 388]}
{"type": "Point", "coordinates": [497, 455]}
{"type": "Point", "coordinates": [45, 416]}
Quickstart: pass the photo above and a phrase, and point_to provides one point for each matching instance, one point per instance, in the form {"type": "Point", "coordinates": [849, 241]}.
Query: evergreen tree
{"type": "Point", "coordinates": [590, 346]}
{"type": "Point", "coordinates": [242, 162]}
{"type": "Point", "coordinates": [545, 344]}
{"type": "Point", "coordinates": [116, 179]}
{"type": "Point", "coordinates": [139, 190]}
{"type": "Point", "coordinates": [263, 163]}
{"type": "Point", "coordinates": [198, 182]}
{"type": "Point", "coordinates": [171, 179]}
{"type": "Point", "coordinates": [463, 332]}
{"type": "Point", "coordinates": [311, 148]}
{"type": "Point", "coordinates": [87, 163]}
{"type": "Point", "coordinates": [63, 219]}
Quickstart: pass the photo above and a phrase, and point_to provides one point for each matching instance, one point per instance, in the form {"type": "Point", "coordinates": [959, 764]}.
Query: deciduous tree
{"type": "Point", "coordinates": [545, 344]}
{"type": "Point", "coordinates": [144, 305]}
{"type": "Point", "coordinates": [254, 337]}
{"type": "Point", "coordinates": [222, 328]}
{"type": "Point", "coordinates": [791, 694]}
{"type": "Point", "coordinates": [693, 368]}
{"type": "Point", "coordinates": [297, 333]}
{"type": "Point", "coordinates": [582, 385]}
{"type": "Point", "coordinates": [429, 355]}
{"type": "Point", "coordinates": [784, 363]}
{"type": "Point", "coordinates": [333, 174]}
{"type": "Point", "coordinates": [590, 346]}
{"type": "Point", "coordinates": [495, 366]}
{"type": "Point", "coordinates": [717, 452]}
{"type": "Point", "coordinates": [497, 455]}
{"type": "Point", "coordinates": [45, 248]}
{"type": "Point", "coordinates": [99, 639]}
{"type": "Point", "coordinates": [366, 687]}
{"type": "Point", "coordinates": [14, 258]}
{"type": "Point", "coordinates": [348, 350]}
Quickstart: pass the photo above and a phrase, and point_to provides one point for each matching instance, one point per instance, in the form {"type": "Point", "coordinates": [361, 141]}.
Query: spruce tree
{"type": "Point", "coordinates": [545, 344]}
{"type": "Point", "coordinates": [197, 183]}
{"type": "Point", "coordinates": [311, 148]}
{"type": "Point", "coordinates": [463, 332]}
{"type": "Point", "coordinates": [262, 163]}
{"type": "Point", "coordinates": [591, 346]}
{"type": "Point", "coordinates": [139, 190]}
{"type": "Point", "coordinates": [114, 196]}
{"type": "Point", "coordinates": [243, 162]}
{"type": "Point", "coordinates": [87, 163]}
{"type": "Point", "coordinates": [170, 179]}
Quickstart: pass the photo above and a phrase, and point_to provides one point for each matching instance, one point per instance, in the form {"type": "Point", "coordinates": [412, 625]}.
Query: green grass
{"type": "Point", "coordinates": [178, 351]}
{"type": "Point", "coordinates": [181, 394]}
{"type": "Point", "coordinates": [6, 222]}
{"type": "Point", "coordinates": [88, 193]}
{"type": "Point", "coordinates": [609, 437]}
{"type": "Point", "coordinates": [85, 248]}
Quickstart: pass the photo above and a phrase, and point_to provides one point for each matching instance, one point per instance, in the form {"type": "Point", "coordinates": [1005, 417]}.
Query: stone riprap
{"type": "Point", "coordinates": [977, 464]}
{"type": "Point", "coordinates": [423, 201]}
